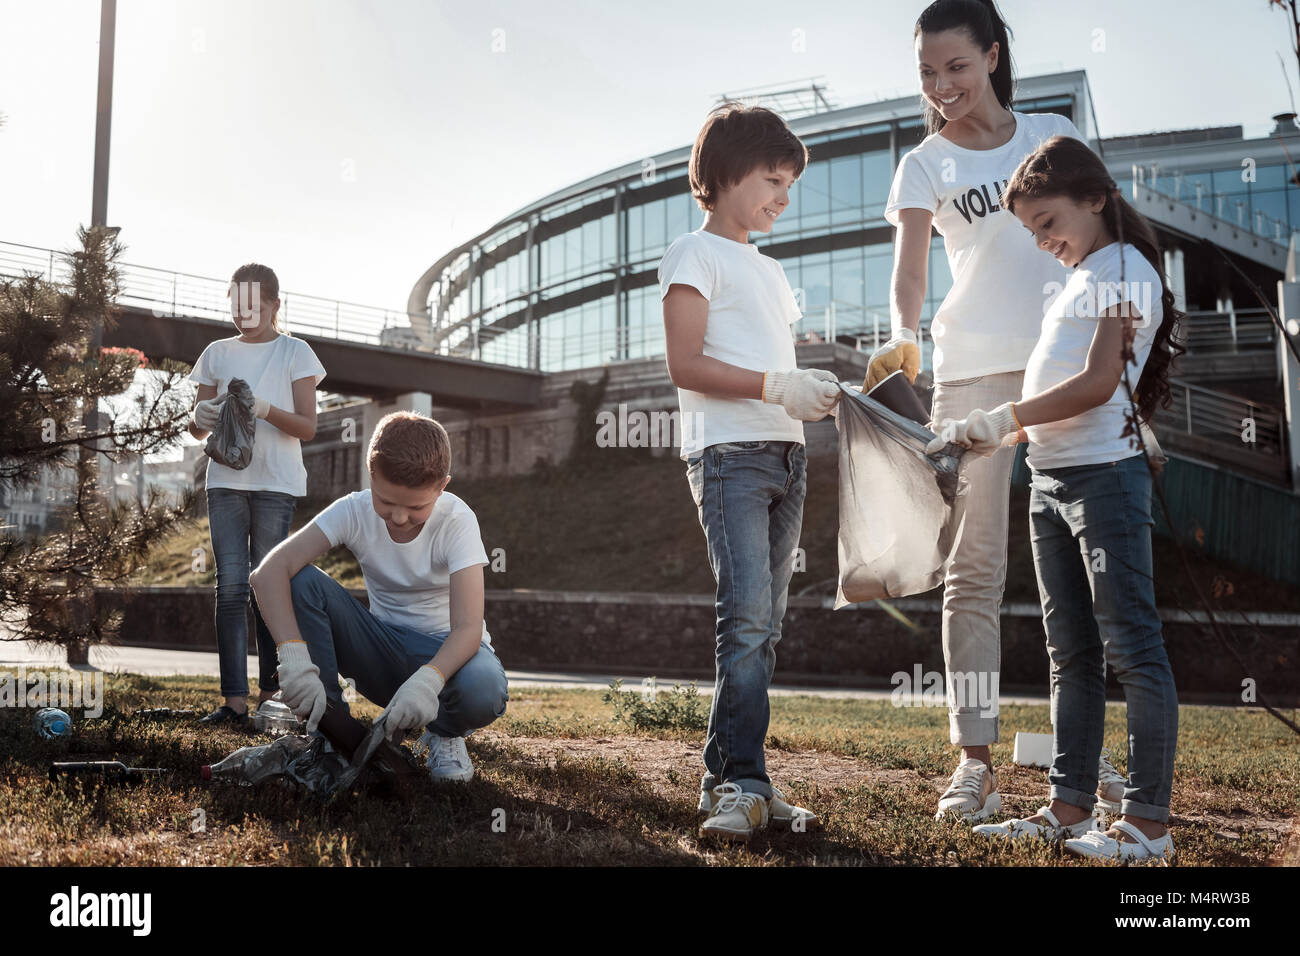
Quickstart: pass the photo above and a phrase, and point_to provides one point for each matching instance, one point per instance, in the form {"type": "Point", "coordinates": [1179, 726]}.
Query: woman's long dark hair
{"type": "Point", "coordinates": [980, 19]}
{"type": "Point", "coordinates": [1064, 166]}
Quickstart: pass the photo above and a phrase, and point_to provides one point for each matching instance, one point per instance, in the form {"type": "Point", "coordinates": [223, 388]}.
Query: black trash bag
{"type": "Point", "coordinates": [231, 442]}
{"type": "Point", "coordinates": [900, 509]}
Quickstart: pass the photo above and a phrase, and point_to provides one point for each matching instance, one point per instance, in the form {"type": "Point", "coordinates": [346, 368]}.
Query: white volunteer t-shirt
{"type": "Point", "coordinates": [408, 584]}
{"type": "Point", "coordinates": [1068, 327]}
{"type": "Point", "coordinates": [988, 322]}
{"type": "Point", "coordinates": [751, 309]}
{"type": "Point", "coordinates": [270, 369]}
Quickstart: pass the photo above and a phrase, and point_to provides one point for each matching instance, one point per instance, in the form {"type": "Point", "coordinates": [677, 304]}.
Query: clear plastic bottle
{"type": "Point", "coordinates": [250, 765]}
{"type": "Point", "coordinates": [273, 717]}
{"type": "Point", "coordinates": [50, 722]}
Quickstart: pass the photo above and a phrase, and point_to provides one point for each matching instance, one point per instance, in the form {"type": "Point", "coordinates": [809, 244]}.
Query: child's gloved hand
{"type": "Point", "coordinates": [980, 431]}
{"type": "Point", "coordinates": [901, 351]}
{"type": "Point", "coordinates": [807, 394]}
{"type": "Point", "coordinates": [415, 703]}
{"type": "Point", "coordinates": [260, 407]}
{"type": "Point", "coordinates": [300, 684]}
{"type": "Point", "coordinates": [206, 413]}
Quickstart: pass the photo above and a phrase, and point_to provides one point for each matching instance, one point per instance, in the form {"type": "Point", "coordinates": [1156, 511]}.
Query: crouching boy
{"type": "Point", "coordinates": [422, 649]}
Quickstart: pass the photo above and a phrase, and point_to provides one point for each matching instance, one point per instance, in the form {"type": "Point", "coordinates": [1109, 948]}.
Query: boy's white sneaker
{"type": "Point", "coordinates": [736, 814]}
{"type": "Point", "coordinates": [1110, 784]}
{"type": "Point", "coordinates": [1054, 830]}
{"type": "Point", "coordinates": [973, 792]}
{"type": "Point", "coordinates": [780, 812]}
{"type": "Point", "coordinates": [448, 760]}
{"type": "Point", "coordinates": [1145, 850]}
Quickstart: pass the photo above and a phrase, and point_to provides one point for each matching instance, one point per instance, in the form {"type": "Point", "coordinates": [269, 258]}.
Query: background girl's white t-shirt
{"type": "Point", "coordinates": [1001, 281]}
{"type": "Point", "coordinates": [270, 369]}
{"type": "Point", "coordinates": [1068, 328]}
{"type": "Point", "coordinates": [409, 584]}
{"type": "Point", "coordinates": [751, 309]}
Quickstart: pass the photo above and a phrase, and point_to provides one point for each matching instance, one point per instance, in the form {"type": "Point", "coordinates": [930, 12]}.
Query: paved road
{"type": "Point", "coordinates": [165, 663]}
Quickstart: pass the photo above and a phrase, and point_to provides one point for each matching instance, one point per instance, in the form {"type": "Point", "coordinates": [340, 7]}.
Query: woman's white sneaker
{"type": "Point", "coordinates": [1054, 830]}
{"type": "Point", "coordinates": [780, 812]}
{"type": "Point", "coordinates": [973, 792]}
{"type": "Point", "coordinates": [1097, 844]}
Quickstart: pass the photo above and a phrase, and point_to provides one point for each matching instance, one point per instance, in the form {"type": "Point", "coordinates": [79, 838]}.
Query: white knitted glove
{"type": "Point", "coordinates": [807, 394]}
{"type": "Point", "coordinates": [980, 431]}
{"type": "Point", "coordinates": [206, 413]}
{"type": "Point", "coordinates": [415, 703]}
{"type": "Point", "coordinates": [900, 351]}
{"type": "Point", "coordinates": [260, 407]}
{"type": "Point", "coordinates": [300, 684]}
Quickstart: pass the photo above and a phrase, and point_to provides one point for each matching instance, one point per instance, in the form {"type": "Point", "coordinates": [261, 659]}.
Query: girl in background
{"type": "Point", "coordinates": [1090, 496]}
{"type": "Point", "coordinates": [250, 510]}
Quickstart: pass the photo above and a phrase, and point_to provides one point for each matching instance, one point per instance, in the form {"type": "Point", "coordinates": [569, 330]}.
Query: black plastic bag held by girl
{"type": "Point", "coordinates": [900, 509]}
{"type": "Point", "coordinates": [231, 442]}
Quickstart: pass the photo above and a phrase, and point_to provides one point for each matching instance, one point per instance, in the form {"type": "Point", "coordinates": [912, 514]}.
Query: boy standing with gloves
{"type": "Point", "coordinates": [730, 350]}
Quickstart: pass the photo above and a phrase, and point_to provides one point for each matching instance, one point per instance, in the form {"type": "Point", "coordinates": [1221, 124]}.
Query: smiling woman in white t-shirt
{"type": "Point", "coordinates": [250, 509]}
{"type": "Point", "coordinates": [983, 331]}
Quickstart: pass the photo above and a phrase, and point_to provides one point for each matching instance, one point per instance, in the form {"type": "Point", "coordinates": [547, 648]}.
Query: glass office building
{"type": "Point", "coordinates": [570, 281]}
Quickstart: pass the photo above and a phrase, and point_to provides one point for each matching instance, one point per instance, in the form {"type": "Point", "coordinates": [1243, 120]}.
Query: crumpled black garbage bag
{"type": "Point", "coordinates": [900, 509]}
{"type": "Point", "coordinates": [231, 442]}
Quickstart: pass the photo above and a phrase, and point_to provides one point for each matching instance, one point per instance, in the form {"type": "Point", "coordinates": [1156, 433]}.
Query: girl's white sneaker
{"type": "Point", "coordinates": [1110, 784]}
{"type": "Point", "coordinates": [1097, 844]}
{"type": "Point", "coordinates": [1054, 830]}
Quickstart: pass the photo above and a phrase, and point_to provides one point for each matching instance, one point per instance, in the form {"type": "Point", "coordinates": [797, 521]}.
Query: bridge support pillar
{"type": "Point", "coordinates": [1288, 297]}
{"type": "Point", "coordinates": [419, 402]}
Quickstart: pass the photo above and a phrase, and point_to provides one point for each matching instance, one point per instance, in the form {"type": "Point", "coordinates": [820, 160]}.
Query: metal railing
{"type": "Point", "coordinates": [1229, 207]}
{"type": "Point", "coordinates": [178, 294]}
{"type": "Point", "coordinates": [1220, 417]}
{"type": "Point", "coordinates": [1238, 331]}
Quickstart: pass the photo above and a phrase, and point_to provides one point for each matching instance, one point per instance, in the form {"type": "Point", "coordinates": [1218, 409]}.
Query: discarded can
{"type": "Point", "coordinates": [50, 722]}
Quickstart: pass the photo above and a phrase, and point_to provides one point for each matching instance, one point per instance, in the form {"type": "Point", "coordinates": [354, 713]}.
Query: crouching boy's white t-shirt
{"type": "Point", "coordinates": [751, 309]}
{"type": "Point", "coordinates": [1068, 328]}
{"type": "Point", "coordinates": [408, 584]}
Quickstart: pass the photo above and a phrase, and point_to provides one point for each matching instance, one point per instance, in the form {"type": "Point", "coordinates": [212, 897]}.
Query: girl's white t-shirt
{"type": "Point", "coordinates": [270, 369]}
{"type": "Point", "coordinates": [1062, 351]}
{"type": "Point", "coordinates": [751, 309]}
{"type": "Point", "coordinates": [409, 584]}
{"type": "Point", "coordinates": [1001, 281]}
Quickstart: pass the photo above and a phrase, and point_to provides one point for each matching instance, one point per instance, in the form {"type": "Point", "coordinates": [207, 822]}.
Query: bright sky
{"type": "Point", "coordinates": [349, 144]}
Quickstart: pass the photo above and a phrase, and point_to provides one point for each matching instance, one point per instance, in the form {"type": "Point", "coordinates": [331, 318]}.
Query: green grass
{"type": "Point", "coordinates": [573, 786]}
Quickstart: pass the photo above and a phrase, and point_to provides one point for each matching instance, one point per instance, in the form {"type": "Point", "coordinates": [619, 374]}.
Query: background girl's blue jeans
{"type": "Point", "coordinates": [1090, 527]}
{"type": "Point", "coordinates": [750, 498]}
{"type": "Point", "coordinates": [245, 526]}
{"type": "Point", "coordinates": [344, 637]}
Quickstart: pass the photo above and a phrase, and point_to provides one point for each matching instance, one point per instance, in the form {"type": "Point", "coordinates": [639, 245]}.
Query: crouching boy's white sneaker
{"type": "Point", "coordinates": [448, 760]}
{"type": "Point", "coordinates": [736, 814]}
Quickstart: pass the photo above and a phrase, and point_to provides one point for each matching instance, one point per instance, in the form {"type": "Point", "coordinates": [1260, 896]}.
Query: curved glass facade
{"type": "Point", "coordinates": [573, 284]}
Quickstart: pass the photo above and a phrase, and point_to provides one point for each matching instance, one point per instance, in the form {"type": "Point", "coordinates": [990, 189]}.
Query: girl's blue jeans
{"type": "Point", "coordinates": [750, 498]}
{"type": "Point", "coordinates": [245, 526]}
{"type": "Point", "coordinates": [1090, 527]}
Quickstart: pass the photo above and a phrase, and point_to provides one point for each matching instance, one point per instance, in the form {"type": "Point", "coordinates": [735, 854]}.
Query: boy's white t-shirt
{"type": "Point", "coordinates": [751, 309]}
{"type": "Point", "coordinates": [270, 369]}
{"type": "Point", "coordinates": [409, 584]}
{"type": "Point", "coordinates": [1001, 281]}
{"type": "Point", "coordinates": [1062, 351]}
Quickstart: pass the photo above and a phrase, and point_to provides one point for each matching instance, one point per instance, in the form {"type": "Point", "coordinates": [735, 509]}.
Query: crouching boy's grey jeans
{"type": "Point", "coordinates": [345, 638]}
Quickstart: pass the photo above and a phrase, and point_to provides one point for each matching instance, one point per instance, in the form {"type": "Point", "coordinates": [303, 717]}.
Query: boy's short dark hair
{"type": "Point", "coordinates": [736, 139]}
{"type": "Point", "coordinates": [409, 450]}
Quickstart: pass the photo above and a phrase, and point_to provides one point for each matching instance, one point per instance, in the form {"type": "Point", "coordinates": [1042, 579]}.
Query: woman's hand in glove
{"type": "Point", "coordinates": [415, 703]}
{"type": "Point", "coordinates": [206, 413]}
{"type": "Point", "coordinates": [807, 394]}
{"type": "Point", "coordinates": [300, 684]}
{"type": "Point", "coordinates": [899, 352]}
{"type": "Point", "coordinates": [980, 431]}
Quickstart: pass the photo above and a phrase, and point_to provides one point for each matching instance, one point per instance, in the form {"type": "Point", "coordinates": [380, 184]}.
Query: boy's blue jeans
{"type": "Point", "coordinates": [1090, 527]}
{"type": "Point", "coordinates": [344, 637]}
{"type": "Point", "coordinates": [245, 526]}
{"type": "Point", "coordinates": [750, 498]}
